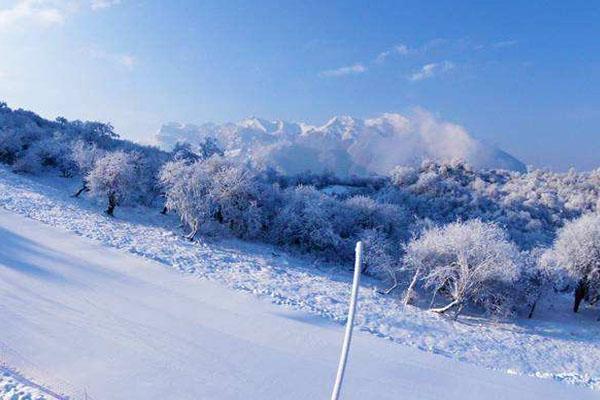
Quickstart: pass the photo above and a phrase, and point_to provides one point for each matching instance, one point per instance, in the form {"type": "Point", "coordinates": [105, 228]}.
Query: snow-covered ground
{"type": "Point", "coordinates": [118, 325]}
{"type": "Point", "coordinates": [16, 387]}
{"type": "Point", "coordinates": [121, 327]}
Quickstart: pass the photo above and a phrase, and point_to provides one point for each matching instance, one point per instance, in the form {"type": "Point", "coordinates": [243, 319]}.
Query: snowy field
{"type": "Point", "coordinates": [121, 326]}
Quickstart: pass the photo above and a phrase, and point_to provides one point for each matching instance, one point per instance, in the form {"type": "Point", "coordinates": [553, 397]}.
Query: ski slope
{"type": "Point", "coordinates": [77, 316]}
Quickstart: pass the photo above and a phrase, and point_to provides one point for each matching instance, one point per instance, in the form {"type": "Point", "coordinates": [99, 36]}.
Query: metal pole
{"type": "Point", "coordinates": [349, 324]}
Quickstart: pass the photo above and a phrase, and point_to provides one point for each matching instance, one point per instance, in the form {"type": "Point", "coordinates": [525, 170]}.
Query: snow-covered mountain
{"type": "Point", "coordinates": [344, 145]}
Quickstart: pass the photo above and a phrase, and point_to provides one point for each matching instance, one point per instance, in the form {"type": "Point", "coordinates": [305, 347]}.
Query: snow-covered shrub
{"type": "Point", "coordinates": [317, 213]}
{"type": "Point", "coordinates": [306, 221]}
{"type": "Point", "coordinates": [381, 256]}
{"type": "Point", "coordinates": [184, 187]}
{"type": "Point", "coordinates": [364, 213]}
{"type": "Point", "coordinates": [103, 134]}
{"type": "Point", "coordinates": [466, 262]}
{"type": "Point", "coordinates": [532, 206]}
{"type": "Point", "coordinates": [84, 156]}
{"type": "Point", "coordinates": [29, 161]}
{"type": "Point", "coordinates": [577, 250]}
{"type": "Point", "coordinates": [33, 144]}
{"type": "Point", "coordinates": [216, 191]}
{"type": "Point", "coordinates": [317, 223]}
{"type": "Point", "coordinates": [149, 162]}
{"type": "Point", "coordinates": [15, 142]}
{"type": "Point", "coordinates": [47, 152]}
{"type": "Point", "coordinates": [242, 200]}
{"type": "Point", "coordinates": [115, 177]}
{"type": "Point", "coordinates": [404, 175]}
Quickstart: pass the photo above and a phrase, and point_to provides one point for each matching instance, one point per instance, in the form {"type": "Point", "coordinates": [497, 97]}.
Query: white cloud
{"type": "Point", "coordinates": [103, 4]}
{"type": "Point", "coordinates": [342, 71]}
{"type": "Point", "coordinates": [44, 13]}
{"type": "Point", "coordinates": [428, 71]}
{"type": "Point", "coordinates": [505, 43]}
{"type": "Point", "coordinates": [400, 49]}
{"type": "Point", "coordinates": [125, 60]}
{"type": "Point", "coordinates": [40, 12]}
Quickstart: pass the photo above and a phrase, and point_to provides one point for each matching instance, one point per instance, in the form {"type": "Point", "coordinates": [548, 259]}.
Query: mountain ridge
{"type": "Point", "coordinates": [344, 145]}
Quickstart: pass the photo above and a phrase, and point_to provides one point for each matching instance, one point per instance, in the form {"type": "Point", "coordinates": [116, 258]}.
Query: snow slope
{"type": "Point", "coordinates": [16, 387]}
{"type": "Point", "coordinates": [559, 346]}
{"type": "Point", "coordinates": [127, 328]}
{"type": "Point", "coordinates": [344, 145]}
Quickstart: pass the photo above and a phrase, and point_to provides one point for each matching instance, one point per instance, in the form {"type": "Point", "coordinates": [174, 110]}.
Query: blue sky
{"type": "Point", "coordinates": [524, 76]}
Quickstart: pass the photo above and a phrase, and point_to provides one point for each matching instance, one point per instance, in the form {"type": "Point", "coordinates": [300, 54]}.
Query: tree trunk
{"type": "Point", "coordinates": [219, 216]}
{"type": "Point", "coordinates": [458, 311]}
{"type": "Point", "coordinates": [84, 188]}
{"type": "Point", "coordinates": [435, 292]}
{"type": "Point", "coordinates": [580, 293]}
{"type": "Point", "coordinates": [532, 309]}
{"type": "Point", "coordinates": [112, 203]}
{"type": "Point", "coordinates": [442, 310]}
{"type": "Point", "coordinates": [193, 233]}
{"type": "Point", "coordinates": [409, 290]}
{"type": "Point", "coordinates": [390, 289]}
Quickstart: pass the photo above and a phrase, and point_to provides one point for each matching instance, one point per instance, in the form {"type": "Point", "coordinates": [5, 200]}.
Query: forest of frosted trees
{"type": "Point", "coordinates": [442, 235]}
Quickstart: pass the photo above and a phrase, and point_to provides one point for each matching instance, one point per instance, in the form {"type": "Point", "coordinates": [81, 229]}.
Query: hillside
{"type": "Point", "coordinates": [87, 320]}
{"type": "Point", "coordinates": [554, 345]}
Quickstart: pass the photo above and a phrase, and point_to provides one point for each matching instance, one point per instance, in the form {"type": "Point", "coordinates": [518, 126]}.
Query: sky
{"type": "Point", "coordinates": [524, 76]}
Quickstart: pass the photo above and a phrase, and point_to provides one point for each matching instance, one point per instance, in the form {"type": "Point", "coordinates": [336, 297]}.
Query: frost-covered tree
{"type": "Point", "coordinates": [181, 155]}
{"type": "Point", "coordinates": [381, 257]}
{"type": "Point", "coordinates": [115, 177]}
{"type": "Point", "coordinates": [535, 280]}
{"type": "Point", "coordinates": [532, 206]}
{"type": "Point", "coordinates": [216, 191]}
{"type": "Point", "coordinates": [466, 262]}
{"type": "Point", "coordinates": [324, 214]}
{"type": "Point", "coordinates": [363, 213]}
{"type": "Point", "coordinates": [184, 189]}
{"type": "Point", "coordinates": [306, 220]}
{"type": "Point", "coordinates": [103, 134]}
{"type": "Point", "coordinates": [577, 250]}
{"type": "Point", "coordinates": [243, 201]}
{"type": "Point", "coordinates": [84, 156]}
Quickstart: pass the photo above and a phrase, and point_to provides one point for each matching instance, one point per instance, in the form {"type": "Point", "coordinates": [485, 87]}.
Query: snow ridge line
{"type": "Point", "coordinates": [289, 281]}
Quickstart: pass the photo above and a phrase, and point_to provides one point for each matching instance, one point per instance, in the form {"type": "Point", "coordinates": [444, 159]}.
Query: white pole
{"type": "Point", "coordinates": [349, 324]}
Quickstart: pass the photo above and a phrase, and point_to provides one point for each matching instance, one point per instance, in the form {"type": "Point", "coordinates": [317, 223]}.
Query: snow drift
{"type": "Point", "coordinates": [344, 145]}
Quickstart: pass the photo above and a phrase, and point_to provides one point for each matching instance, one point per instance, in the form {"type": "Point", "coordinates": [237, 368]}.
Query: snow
{"type": "Point", "coordinates": [15, 387]}
{"type": "Point", "coordinates": [126, 328]}
{"type": "Point", "coordinates": [120, 325]}
{"type": "Point", "coordinates": [344, 145]}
